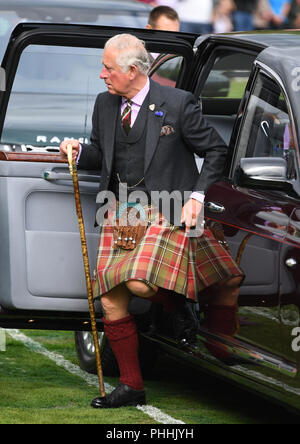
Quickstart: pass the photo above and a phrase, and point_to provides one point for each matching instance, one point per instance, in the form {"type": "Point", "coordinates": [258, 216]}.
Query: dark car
{"type": "Point", "coordinates": [256, 206]}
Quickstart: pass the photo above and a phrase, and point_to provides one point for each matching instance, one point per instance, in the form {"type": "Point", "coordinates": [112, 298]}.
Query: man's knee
{"type": "Point", "coordinates": [234, 282]}
{"type": "Point", "coordinates": [139, 288]}
{"type": "Point", "coordinates": [109, 305]}
{"type": "Point", "coordinates": [229, 284]}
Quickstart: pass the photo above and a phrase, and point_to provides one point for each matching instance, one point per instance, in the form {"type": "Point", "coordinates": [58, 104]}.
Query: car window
{"type": "Point", "coordinates": [267, 131]}
{"type": "Point", "coordinates": [226, 82]}
{"type": "Point", "coordinates": [167, 70]}
{"type": "Point", "coordinates": [53, 96]}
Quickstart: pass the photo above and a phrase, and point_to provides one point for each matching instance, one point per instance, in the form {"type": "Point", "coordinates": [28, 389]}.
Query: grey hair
{"type": "Point", "coordinates": [132, 51]}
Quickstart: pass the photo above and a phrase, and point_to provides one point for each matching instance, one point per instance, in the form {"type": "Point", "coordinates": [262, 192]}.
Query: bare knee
{"type": "Point", "coordinates": [230, 284]}
{"type": "Point", "coordinates": [139, 288]}
{"type": "Point", "coordinates": [108, 304]}
{"type": "Point", "coordinates": [115, 303]}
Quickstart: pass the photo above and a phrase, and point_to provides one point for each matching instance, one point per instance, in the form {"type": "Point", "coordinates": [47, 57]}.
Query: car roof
{"type": "Point", "coordinates": [276, 39]}
{"type": "Point", "coordinates": [258, 39]}
{"type": "Point", "coordinates": [101, 4]}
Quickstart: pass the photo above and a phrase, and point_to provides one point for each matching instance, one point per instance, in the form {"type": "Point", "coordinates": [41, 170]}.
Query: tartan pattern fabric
{"type": "Point", "coordinates": [167, 258]}
{"type": "Point", "coordinates": [126, 117]}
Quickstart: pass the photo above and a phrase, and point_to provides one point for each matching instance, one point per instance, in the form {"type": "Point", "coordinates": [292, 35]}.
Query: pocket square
{"type": "Point", "coordinates": [167, 130]}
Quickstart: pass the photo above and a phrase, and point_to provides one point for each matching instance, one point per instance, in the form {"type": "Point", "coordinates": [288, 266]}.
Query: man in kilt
{"type": "Point", "coordinates": [145, 135]}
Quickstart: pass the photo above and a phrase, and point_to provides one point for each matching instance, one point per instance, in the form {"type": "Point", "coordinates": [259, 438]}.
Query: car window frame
{"type": "Point", "coordinates": [162, 59]}
{"type": "Point", "coordinates": [207, 66]}
{"type": "Point", "coordinates": [260, 67]}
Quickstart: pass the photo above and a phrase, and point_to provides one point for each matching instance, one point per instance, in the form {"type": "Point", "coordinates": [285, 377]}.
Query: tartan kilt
{"type": "Point", "coordinates": [166, 257]}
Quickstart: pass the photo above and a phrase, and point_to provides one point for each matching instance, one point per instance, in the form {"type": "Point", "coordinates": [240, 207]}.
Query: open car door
{"type": "Point", "coordinates": [52, 80]}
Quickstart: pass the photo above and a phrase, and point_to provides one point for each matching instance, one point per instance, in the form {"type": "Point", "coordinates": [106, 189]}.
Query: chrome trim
{"type": "Point", "coordinates": [291, 263]}
{"type": "Point", "coordinates": [214, 208]}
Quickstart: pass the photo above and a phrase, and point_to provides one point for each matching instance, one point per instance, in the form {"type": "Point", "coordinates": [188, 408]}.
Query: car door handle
{"type": "Point", "coordinates": [84, 177]}
{"type": "Point", "coordinates": [214, 207]}
{"type": "Point", "coordinates": [265, 126]}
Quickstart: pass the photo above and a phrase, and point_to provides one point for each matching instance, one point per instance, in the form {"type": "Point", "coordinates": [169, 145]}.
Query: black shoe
{"type": "Point", "coordinates": [182, 325]}
{"type": "Point", "coordinates": [122, 396]}
{"type": "Point", "coordinates": [155, 320]}
{"type": "Point", "coordinates": [185, 327]}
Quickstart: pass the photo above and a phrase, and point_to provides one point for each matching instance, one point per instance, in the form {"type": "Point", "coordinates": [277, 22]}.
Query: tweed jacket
{"type": "Point", "coordinates": [176, 130]}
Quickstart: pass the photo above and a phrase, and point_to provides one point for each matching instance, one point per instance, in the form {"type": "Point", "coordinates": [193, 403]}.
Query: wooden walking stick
{"type": "Point", "coordinates": [73, 172]}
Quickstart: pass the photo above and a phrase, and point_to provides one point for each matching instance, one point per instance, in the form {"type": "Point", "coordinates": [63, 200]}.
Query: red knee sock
{"type": "Point", "coordinates": [223, 319]}
{"type": "Point", "coordinates": [123, 339]}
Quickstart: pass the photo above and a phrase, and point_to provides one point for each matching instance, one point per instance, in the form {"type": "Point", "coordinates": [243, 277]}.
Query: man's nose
{"type": "Point", "coordinates": [103, 73]}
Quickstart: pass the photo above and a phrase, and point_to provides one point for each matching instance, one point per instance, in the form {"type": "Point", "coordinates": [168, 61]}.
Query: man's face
{"type": "Point", "coordinates": [116, 80]}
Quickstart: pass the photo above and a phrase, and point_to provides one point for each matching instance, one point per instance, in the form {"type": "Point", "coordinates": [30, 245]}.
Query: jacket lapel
{"type": "Point", "coordinates": [156, 116]}
{"type": "Point", "coordinates": [110, 118]}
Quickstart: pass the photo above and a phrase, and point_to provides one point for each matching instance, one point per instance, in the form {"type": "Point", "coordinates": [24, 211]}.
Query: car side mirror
{"type": "Point", "coordinates": [2, 79]}
{"type": "Point", "coordinates": [267, 172]}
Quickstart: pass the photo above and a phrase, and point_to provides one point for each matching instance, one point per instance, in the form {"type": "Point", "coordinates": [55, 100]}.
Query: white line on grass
{"type": "Point", "coordinates": [91, 380]}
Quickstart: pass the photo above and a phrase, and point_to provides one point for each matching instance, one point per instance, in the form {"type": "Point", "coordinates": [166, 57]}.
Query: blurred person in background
{"type": "Point", "coordinates": [163, 18]}
{"type": "Point", "coordinates": [262, 15]}
{"type": "Point", "coordinates": [171, 3]}
{"type": "Point", "coordinates": [294, 17]}
{"type": "Point", "coordinates": [243, 17]}
{"type": "Point", "coordinates": [222, 17]}
{"type": "Point", "coordinates": [149, 2]}
{"type": "Point", "coordinates": [196, 15]}
{"type": "Point", "coordinates": [280, 11]}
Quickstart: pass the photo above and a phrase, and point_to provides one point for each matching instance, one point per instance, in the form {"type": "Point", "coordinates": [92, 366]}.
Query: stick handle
{"type": "Point", "coordinates": [73, 172]}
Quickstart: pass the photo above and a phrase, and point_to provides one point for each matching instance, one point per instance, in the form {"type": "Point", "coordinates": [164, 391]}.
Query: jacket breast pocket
{"type": "Point", "coordinates": [167, 130]}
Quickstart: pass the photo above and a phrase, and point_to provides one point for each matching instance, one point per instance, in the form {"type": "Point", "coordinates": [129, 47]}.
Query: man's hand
{"type": "Point", "coordinates": [76, 147]}
{"type": "Point", "coordinates": [191, 213]}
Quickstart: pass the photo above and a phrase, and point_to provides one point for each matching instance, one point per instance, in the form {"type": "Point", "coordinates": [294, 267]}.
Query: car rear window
{"type": "Point", "coordinates": [226, 82]}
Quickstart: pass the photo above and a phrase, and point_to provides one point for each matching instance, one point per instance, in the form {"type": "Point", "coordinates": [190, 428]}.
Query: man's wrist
{"type": "Point", "coordinates": [79, 154]}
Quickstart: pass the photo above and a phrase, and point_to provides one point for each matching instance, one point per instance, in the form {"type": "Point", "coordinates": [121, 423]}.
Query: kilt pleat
{"type": "Point", "coordinates": [166, 257]}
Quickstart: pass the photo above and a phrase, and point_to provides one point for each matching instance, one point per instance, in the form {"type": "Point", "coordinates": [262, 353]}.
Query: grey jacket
{"type": "Point", "coordinates": [176, 130]}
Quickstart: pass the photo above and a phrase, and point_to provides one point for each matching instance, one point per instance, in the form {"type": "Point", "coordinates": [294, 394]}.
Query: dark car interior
{"type": "Point", "coordinates": [221, 107]}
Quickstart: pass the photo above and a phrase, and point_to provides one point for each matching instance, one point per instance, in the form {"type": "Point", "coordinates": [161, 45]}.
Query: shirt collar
{"type": "Point", "coordinates": [139, 98]}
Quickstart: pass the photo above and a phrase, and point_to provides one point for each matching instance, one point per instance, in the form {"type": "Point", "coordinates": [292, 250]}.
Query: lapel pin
{"type": "Point", "coordinates": [152, 107]}
{"type": "Point", "coordinates": [159, 113]}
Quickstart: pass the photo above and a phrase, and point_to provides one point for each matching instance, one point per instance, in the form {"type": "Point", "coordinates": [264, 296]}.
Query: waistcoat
{"type": "Point", "coordinates": [129, 154]}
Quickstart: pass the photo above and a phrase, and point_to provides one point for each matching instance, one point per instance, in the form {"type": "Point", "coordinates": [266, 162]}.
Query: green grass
{"type": "Point", "coordinates": [34, 390]}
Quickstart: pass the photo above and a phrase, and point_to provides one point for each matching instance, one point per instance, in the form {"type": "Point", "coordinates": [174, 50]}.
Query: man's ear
{"type": "Point", "coordinates": [148, 26]}
{"type": "Point", "coordinates": [133, 72]}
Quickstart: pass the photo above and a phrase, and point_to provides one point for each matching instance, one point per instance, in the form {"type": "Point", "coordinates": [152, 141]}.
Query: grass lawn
{"type": "Point", "coordinates": [34, 390]}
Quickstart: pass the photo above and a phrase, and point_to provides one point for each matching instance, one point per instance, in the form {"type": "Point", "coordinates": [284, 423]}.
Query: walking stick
{"type": "Point", "coordinates": [73, 172]}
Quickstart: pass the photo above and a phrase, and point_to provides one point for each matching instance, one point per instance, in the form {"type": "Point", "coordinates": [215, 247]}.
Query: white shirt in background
{"type": "Point", "coordinates": [196, 11]}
